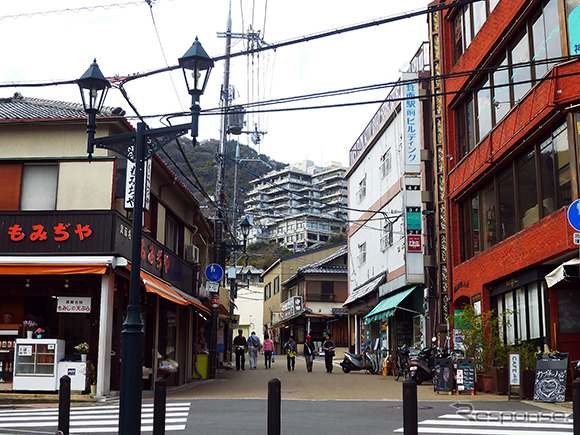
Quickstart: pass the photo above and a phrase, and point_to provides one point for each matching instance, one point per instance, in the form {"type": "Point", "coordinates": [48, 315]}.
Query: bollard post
{"type": "Point", "coordinates": [274, 408]}
{"type": "Point", "coordinates": [410, 408]}
{"type": "Point", "coordinates": [576, 405]}
{"type": "Point", "coordinates": [159, 406]}
{"type": "Point", "coordinates": [64, 405]}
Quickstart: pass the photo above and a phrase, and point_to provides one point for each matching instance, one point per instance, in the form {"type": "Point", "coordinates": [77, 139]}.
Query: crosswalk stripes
{"type": "Point", "coordinates": [92, 419]}
{"type": "Point", "coordinates": [498, 423]}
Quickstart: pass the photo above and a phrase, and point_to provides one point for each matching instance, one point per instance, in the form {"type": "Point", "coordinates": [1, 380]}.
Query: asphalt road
{"type": "Point", "coordinates": [312, 403]}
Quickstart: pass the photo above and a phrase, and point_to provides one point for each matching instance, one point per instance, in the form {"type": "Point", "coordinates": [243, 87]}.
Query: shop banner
{"type": "Point", "coordinates": [73, 304]}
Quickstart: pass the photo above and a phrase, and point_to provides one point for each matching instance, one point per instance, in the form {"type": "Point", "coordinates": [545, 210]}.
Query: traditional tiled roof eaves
{"type": "Point", "coordinates": [19, 108]}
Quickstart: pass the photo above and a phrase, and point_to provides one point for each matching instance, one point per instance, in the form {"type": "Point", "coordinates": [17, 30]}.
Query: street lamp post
{"type": "Point", "coordinates": [137, 147]}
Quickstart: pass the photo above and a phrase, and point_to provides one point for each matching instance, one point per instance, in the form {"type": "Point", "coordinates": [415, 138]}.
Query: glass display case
{"type": "Point", "coordinates": [35, 364]}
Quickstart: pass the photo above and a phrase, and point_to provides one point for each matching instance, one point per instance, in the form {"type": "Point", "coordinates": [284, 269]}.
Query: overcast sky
{"type": "Point", "coordinates": [60, 45]}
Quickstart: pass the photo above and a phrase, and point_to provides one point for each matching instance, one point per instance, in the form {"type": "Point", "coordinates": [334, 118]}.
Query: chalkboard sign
{"type": "Point", "coordinates": [465, 374]}
{"type": "Point", "coordinates": [551, 370]}
{"type": "Point", "coordinates": [443, 379]}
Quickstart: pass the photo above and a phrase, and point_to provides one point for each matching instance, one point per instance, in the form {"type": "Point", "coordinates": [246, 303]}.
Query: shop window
{"type": "Point", "coordinates": [507, 208]}
{"type": "Point", "coordinates": [387, 235]}
{"type": "Point", "coordinates": [470, 228]}
{"type": "Point", "coordinates": [563, 177]}
{"type": "Point", "coordinates": [362, 190]}
{"type": "Point", "coordinates": [484, 112]}
{"type": "Point", "coordinates": [489, 217]}
{"type": "Point", "coordinates": [173, 234]}
{"type": "Point", "coordinates": [466, 126]}
{"type": "Point", "coordinates": [534, 311]}
{"type": "Point", "coordinates": [521, 75]}
{"type": "Point", "coordinates": [540, 189]}
{"type": "Point", "coordinates": [529, 212]}
{"type": "Point", "coordinates": [167, 332]}
{"type": "Point", "coordinates": [386, 163]}
{"type": "Point", "coordinates": [552, 31]}
{"type": "Point", "coordinates": [327, 291]}
{"type": "Point", "coordinates": [538, 41]}
{"type": "Point", "coordinates": [479, 15]}
{"type": "Point", "coordinates": [528, 321]}
{"type": "Point", "coordinates": [362, 254]}
{"type": "Point", "coordinates": [38, 190]}
{"type": "Point", "coordinates": [501, 91]}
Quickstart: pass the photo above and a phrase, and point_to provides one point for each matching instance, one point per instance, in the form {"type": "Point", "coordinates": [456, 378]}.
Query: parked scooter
{"type": "Point", "coordinates": [354, 362]}
{"type": "Point", "coordinates": [422, 365]}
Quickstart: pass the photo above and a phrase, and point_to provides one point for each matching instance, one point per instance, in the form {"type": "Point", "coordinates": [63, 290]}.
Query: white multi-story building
{"type": "Point", "coordinates": [386, 233]}
{"type": "Point", "coordinates": [299, 206]}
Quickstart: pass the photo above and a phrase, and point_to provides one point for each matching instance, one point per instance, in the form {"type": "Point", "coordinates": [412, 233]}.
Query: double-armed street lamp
{"type": "Point", "coordinates": [137, 147]}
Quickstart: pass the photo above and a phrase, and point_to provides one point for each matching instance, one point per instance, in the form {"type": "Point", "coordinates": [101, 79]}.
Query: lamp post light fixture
{"type": "Point", "coordinates": [245, 226]}
{"type": "Point", "coordinates": [137, 147]}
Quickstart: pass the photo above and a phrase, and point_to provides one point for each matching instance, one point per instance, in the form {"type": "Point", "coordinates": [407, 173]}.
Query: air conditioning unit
{"type": "Point", "coordinates": [191, 254]}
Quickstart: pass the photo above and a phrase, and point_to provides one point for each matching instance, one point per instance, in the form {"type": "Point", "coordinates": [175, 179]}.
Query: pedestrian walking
{"type": "Point", "coordinates": [254, 346]}
{"type": "Point", "coordinates": [309, 353]}
{"type": "Point", "coordinates": [328, 346]}
{"type": "Point", "coordinates": [290, 348]}
{"type": "Point", "coordinates": [240, 348]}
{"type": "Point", "coordinates": [268, 349]}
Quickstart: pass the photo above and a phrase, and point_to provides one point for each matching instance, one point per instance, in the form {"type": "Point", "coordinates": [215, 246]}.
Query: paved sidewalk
{"type": "Point", "coordinates": [317, 385]}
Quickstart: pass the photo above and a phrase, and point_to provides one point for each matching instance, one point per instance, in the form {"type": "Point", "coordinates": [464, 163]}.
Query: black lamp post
{"type": "Point", "coordinates": [138, 147]}
{"type": "Point", "coordinates": [245, 226]}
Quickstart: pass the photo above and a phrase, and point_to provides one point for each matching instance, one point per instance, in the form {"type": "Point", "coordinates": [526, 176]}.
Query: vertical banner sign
{"type": "Point", "coordinates": [130, 185]}
{"type": "Point", "coordinates": [411, 123]}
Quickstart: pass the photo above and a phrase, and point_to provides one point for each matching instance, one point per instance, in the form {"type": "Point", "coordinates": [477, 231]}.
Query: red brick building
{"type": "Point", "coordinates": [509, 121]}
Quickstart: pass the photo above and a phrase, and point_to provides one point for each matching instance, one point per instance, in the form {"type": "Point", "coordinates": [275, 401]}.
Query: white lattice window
{"type": "Point", "coordinates": [362, 254]}
{"type": "Point", "coordinates": [362, 190]}
{"type": "Point", "coordinates": [386, 235]}
{"type": "Point", "coordinates": [386, 162]}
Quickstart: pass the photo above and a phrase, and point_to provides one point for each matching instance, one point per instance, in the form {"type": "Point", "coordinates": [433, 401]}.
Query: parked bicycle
{"type": "Point", "coordinates": [401, 366]}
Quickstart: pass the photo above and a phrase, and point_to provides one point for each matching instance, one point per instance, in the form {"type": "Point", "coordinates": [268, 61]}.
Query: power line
{"type": "Point", "coordinates": [76, 10]}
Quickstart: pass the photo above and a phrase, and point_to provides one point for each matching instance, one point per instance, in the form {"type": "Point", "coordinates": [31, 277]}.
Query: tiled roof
{"type": "Point", "coordinates": [323, 265]}
{"type": "Point", "coordinates": [19, 107]}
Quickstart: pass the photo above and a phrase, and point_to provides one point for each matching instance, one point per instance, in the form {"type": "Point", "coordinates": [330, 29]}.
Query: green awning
{"type": "Point", "coordinates": [386, 307]}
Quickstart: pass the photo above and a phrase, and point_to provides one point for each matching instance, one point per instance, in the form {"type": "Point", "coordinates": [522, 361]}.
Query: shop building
{"type": "Point", "coordinates": [287, 307]}
{"type": "Point", "coordinates": [313, 304]}
{"type": "Point", "coordinates": [510, 97]}
{"type": "Point", "coordinates": [390, 184]}
{"type": "Point", "coordinates": [65, 244]}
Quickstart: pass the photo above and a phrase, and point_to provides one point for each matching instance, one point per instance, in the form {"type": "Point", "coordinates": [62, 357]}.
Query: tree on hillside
{"type": "Point", "coordinates": [262, 255]}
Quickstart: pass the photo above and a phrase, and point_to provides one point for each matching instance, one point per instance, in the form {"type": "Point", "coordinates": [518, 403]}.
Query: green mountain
{"type": "Point", "coordinates": [197, 167]}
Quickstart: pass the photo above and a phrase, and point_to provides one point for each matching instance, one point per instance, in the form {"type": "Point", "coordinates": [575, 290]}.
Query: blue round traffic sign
{"type": "Point", "coordinates": [214, 272]}
{"type": "Point", "coordinates": [574, 214]}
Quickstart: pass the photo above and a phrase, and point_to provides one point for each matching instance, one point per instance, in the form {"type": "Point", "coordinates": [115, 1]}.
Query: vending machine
{"type": "Point", "coordinates": [36, 364]}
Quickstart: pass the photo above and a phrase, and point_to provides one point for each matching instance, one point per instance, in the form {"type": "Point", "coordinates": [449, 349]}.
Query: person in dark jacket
{"type": "Point", "coordinates": [309, 353]}
{"type": "Point", "coordinates": [290, 348]}
{"type": "Point", "coordinates": [328, 347]}
{"type": "Point", "coordinates": [240, 343]}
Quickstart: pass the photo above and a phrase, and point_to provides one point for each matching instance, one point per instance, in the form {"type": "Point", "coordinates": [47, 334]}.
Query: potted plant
{"type": "Point", "coordinates": [83, 349]}
{"type": "Point", "coordinates": [39, 332]}
{"type": "Point", "coordinates": [481, 339]}
{"type": "Point", "coordinates": [528, 360]}
{"type": "Point", "coordinates": [92, 377]}
{"type": "Point", "coordinates": [29, 327]}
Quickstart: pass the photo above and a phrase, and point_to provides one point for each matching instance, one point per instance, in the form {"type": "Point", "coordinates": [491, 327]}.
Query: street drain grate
{"type": "Point", "coordinates": [400, 407]}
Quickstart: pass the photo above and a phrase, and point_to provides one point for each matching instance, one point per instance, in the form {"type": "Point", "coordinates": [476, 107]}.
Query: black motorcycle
{"type": "Point", "coordinates": [422, 366]}
{"type": "Point", "coordinates": [353, 362]}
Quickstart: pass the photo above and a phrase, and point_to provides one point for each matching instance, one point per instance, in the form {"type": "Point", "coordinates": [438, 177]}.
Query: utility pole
{"type": "Point", "coordinates": [219, 252]}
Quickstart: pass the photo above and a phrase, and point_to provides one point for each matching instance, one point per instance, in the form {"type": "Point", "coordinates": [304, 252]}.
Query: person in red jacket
{"type": "Point", "coordinates": [268, 349]}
